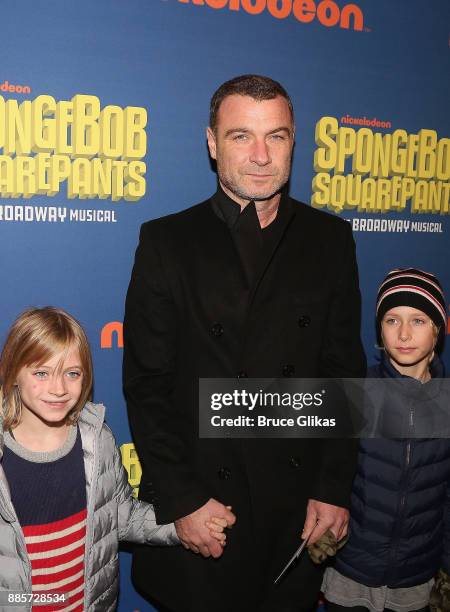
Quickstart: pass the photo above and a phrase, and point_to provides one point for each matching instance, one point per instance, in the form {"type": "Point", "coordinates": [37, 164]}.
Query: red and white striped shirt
{"type": "Point", "coordinates": [56, 553]}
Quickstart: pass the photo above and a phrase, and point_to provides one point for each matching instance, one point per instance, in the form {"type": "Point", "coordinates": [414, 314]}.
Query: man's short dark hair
{"type": "Point", "coordinates": [256, 86]}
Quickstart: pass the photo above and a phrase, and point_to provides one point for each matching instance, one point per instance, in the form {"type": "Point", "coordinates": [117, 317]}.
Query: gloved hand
{"type": "Point", "coordinates": [327, 546]}
{"type": "Point", "coordinates": [440, 593]}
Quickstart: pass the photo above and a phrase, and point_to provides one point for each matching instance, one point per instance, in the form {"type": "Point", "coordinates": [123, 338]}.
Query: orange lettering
{"type": "Point", "coordinates": [255, 9]}
{"type": "Point", "coordinates": [304, 10]}
{"type": "Point", "coordinates": [106, 337]}
{"type": "Point", "coordinates": [279, 12]}
{"type": "Point", "coordinates": [328, 13]}
{"type": "Point", "coordinates": [356, 12]}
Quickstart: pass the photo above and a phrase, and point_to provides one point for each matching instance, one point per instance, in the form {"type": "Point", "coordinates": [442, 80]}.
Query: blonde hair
{"type": "Point", "coordinates": [37, 335]}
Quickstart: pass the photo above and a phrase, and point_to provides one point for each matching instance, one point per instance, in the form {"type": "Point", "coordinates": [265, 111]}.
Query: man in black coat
{"type": "Point", "coordinates": [249, 283]}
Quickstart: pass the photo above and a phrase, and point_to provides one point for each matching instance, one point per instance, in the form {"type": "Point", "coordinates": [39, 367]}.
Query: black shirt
{"type": "Point", "coordinates": [251, 241]}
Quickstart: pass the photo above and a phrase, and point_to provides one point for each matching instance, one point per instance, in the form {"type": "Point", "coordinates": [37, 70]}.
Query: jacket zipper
{"type": "Point", "coordinates": [401, 506]}
{"type": "Point", "coordinates": [90, 515]}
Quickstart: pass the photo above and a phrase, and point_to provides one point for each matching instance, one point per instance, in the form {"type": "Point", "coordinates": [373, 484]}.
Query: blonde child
{"type": "Point", "coordinates": [65, 502]}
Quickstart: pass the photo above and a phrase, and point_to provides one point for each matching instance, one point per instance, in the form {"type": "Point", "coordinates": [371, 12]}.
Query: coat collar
{"type": "Point", "coordinates": [412, 387]}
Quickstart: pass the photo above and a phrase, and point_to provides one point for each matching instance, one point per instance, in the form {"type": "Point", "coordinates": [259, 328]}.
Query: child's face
{"type": "Point", "coordinates": [50, 391]}
{"type": "Point", "coordinates": [408, 335]}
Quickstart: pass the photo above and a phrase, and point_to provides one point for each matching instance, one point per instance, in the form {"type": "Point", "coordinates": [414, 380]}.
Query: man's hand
{"type": "Point", "coordinates": [194, 534]}
{"type": "Point", "coordinates": [325, 516]}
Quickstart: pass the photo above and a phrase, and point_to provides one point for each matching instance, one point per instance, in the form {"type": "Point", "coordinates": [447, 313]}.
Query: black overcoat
{"type": "Point", "coordinates": [190, 314]}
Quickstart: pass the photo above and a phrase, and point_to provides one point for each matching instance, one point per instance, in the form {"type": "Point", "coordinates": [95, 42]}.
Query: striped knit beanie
{"type": "Point", "coordinates": [414, 288]}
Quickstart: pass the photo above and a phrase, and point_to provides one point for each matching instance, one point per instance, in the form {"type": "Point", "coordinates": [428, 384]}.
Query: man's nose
{"type": "Point", "coordinates": [260, 153]}
{"type": "Point", "coordinates": [57, 385]}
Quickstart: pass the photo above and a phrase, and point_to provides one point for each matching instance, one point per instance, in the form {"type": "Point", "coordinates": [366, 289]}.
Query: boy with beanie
{"type": "Point", "coordinates": [400, 504]}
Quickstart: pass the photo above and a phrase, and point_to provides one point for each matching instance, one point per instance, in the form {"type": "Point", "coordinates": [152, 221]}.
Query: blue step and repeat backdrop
{"type": "Point", "coordinates": [103, 109]}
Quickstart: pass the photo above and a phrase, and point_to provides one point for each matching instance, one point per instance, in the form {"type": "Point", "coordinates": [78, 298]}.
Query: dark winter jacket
{"type": "Point", "coordinates": [400, 503]}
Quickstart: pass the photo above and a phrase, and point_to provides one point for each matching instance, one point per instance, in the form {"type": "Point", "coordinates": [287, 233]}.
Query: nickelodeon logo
{"type": "Point", "coordinates": [112, 335]}
{"type": "Point", "coordinates": [327, 12]}
{"type": "Point", "coordinates": [7, 86]}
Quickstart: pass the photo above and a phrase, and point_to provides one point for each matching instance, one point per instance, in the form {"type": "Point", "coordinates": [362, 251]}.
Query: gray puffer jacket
{"type": "Point", "coordinates": [112, 515]}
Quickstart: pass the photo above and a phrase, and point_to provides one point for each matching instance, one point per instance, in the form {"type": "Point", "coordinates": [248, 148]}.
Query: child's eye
{"type": "Point", "coordinates": [390, 321]}
{"type": "Point", "coordinates": [418, 321]}
{"type": "Point", "coordinates": [73, 374]}
{"type": "Point", "coordinates": [40, 374]}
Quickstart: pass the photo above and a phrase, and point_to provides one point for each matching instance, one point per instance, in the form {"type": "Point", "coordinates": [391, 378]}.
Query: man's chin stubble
{"type": "Point", "coordinates": [252, 197]}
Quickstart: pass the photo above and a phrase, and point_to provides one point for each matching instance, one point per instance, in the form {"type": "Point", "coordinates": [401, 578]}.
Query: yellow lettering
{"type": "Point", "coordinates": [79, 183]}
{"type": "Point", "coordinates": [118, 169]}
{"type": "Point", "coordinates": [443, 160]}
{"type": "Point", "coordinates": [135, 138]}
{"type": "Point", "coordinates": [445, 198]}
{"type": "Point", "coordinates": [58, 171]}
{"type": "Point", "coordinates": [135, 181]}
{"type": "Point", "coordinates": [406, 192]}
{"type": "Point", "coordinates": [85, 129]}
{"type": "Point", "coordinates": [132, 465]}
{"type": "Point", "coordinates": [362, 159]}
{"type": "Point", "coordinates": [337, 193]}
{"type": "Point", "coordinates": [64, 118]}
{"type": "Point", "coordinates": [426, 158]}
{"type": "Point", "coordinates": [43, 161]}
{"type": "Point", "coordinates": [18, 128]}
{"type": "Point", "coordinates": [2, 122]}
{"type": "Point", "coordinates": [346, 143]}
{"type": "Point", "coordinates": [420, 199]}
{"type": "Point", "coordinates": [412, 148]}
{"type": "Point", "coordinates": [25, 183]}
{"type": "Point", "coordinates": [325, 156]}
{"type": "Point", "coordinates": [101, 177]}
{"type": "Point", "coordinates": [111, 131]}
{"type": "Point", "coordinates": [434, 196]}
{"type": "Point", "coordinates": [381, 155]}
{"type": "Point", "coordinates": [320, 187]}
{"type": "Point", "coordinates": [398, 152]}
{"type": "Point", "coordinates": [6, 176]}
{"type": "Point", "coordinates": [353, 190]}
{"type": "Point", "coordinates": [395, 193]}
{"type": "Point", "coordinates": [43, 129]}
{"type": "Point", "coordinates": [383, 201]}
{"type": "Point", "coordinates": [368, 195]}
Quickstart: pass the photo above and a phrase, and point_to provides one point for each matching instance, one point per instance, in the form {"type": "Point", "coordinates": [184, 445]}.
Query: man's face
{"type": "Point", "coordinates": [252, 145]}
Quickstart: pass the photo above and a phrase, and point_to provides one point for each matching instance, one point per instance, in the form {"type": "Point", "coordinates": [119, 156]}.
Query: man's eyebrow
{"type": "Point", "coordinates": [236, 130]}
{"type": "Point", "coordinates": [280, 129]}
{"type": "Point", "coordinates": [243, 130]}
